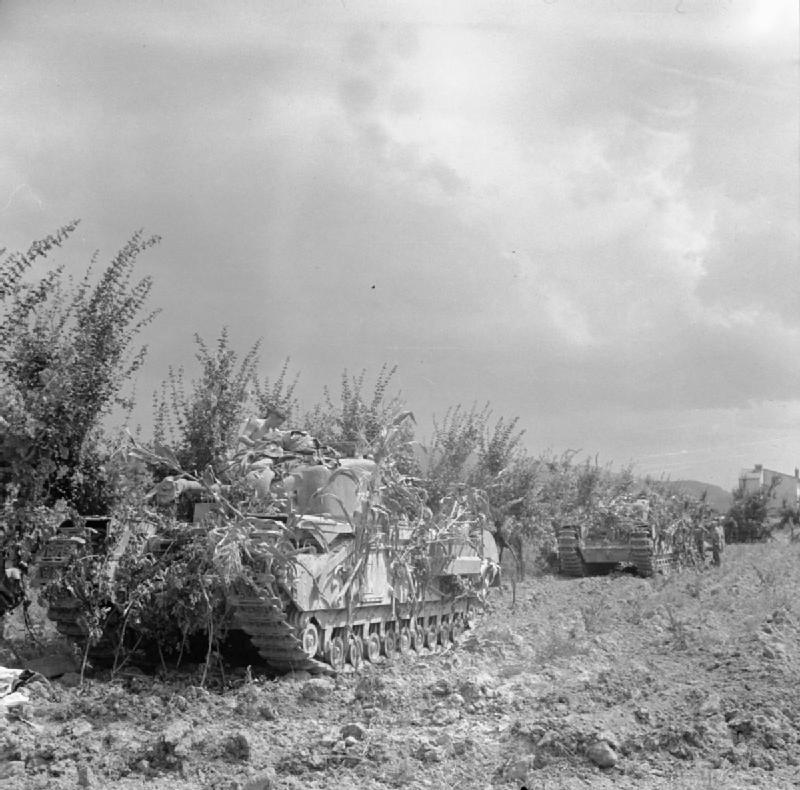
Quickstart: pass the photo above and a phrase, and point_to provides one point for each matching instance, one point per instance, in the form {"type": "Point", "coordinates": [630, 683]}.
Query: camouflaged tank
{"type": "Point", "coordinates": [354, 588]}
{"type": "Point", "coordinates": [316, 617]}
{"type": "Point", "coordinates": [625, 537]}
{"type": "Point", "coordinates": [656, 536]}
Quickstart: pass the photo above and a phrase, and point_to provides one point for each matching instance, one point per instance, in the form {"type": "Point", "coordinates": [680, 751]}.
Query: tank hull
{"type": "Point", "coordinates": [316, 615]}
{"type": "Point", "coordinates": [311, 618]}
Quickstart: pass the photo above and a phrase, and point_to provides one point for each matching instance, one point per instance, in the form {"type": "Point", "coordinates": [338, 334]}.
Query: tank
{"type": "Point", "coordinates": [651, 538]}
{"type": "Point", "coordinates": [339, 577]}
{"type": "Point", "coordinates": [350, 594]}
{"type": "Point", "coordinates": [622, 536]}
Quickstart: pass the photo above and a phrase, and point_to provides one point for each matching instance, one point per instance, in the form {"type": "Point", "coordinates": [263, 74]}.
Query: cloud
{"type": "Point", "coordinates": [358, 95]}
{"type": "Point", "coordinates": [574, 207]}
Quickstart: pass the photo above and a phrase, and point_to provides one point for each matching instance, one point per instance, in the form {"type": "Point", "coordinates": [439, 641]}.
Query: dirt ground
{"type": "Point", "coordinates": [692, 681]}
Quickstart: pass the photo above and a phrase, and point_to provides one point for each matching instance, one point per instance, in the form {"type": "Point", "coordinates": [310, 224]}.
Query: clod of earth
{"type": "Point", "coordinates": [602, 755]}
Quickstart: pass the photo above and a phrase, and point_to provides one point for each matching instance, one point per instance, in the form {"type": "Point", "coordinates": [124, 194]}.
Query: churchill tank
{"type": "Point", "coordinates": [335, 573]}
{"type": "Point", "coordinates": [623, 534]}
{"type": "Point", "coordinates": [361, 588]}
{"type": "Point", "coordinates": [635, 534]}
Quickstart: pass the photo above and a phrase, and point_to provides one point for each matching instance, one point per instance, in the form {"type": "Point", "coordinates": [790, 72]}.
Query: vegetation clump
{"type": "Point", "coordinates": [68, 350]}
{"type": "Point", "coordinates": [748, 520]}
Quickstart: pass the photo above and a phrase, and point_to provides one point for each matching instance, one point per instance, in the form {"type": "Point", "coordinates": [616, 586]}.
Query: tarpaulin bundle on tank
{"type": "Point", "coordinates": [283, 445]}
{"type": "Point", "coordinates": [263, 434]}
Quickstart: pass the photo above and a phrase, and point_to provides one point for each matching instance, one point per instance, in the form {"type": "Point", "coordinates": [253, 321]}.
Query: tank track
{"type": "Point", "coordinates": [64, 615]}
{"type": "Point", "coordinates": [68, 622]}
{"type": "Point", "coordinates": [569, 559]}
{"type": "Point", "coordinates": [288, 640]}
{"type": "Point", "coordinates": [318, 642]}
{"type": "Point", "coordinates": [643, 552]}
{"type": "Point", "coordinates": [645, 558]}
{"type": "Point", "coordinates": [278, 636]}
{"type": "Point", "coordinates": [276, 640]}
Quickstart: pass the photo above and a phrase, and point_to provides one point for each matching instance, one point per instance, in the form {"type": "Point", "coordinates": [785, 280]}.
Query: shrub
{"type": "Point", "coordinates": [67, 352]}
{"type": "Point", "coordinates": [67, 356]}
{"type": "Point", "coordinates": [747, 521]}
{"type": "Point", "coordinates": [202, 424]}
{"type": "Point", "coordinates": [355, 421]}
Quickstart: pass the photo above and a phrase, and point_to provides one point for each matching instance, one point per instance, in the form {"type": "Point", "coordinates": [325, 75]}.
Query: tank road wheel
{"type": "Point", "coordinates": [432, 637]}
{"type": "Point", "coordinates": [372, 647]}
{"type": "Point", "coordinates": [389, 642]}
{"type": "Point", "coordinates": [404, 641]}
{"type": "Point", "coordinates": [569, 559]}
{"type": "Point", "coordinates": [336, 653]}
{"type": "Point", "coordinates": [643, 552]}
{"type": "Point", "coordinates": [309, 638]}
{"type": "Point", "coordinates": [355, 651]}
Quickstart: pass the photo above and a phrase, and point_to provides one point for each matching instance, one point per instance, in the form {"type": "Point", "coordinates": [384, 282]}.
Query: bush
{"type": "Point", "coordinates": [747, 521]}
{"type": "Point", "coordinates": [67, 352]}
{"type": "Point", "coordinates": [202, 425]}
{"type": "Point", "coordinates": [355, 421]}
{"type": "Point", "coordinates": [67, 356]}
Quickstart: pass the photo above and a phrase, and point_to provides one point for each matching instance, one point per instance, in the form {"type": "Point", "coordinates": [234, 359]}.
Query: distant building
{"type": "Point", "coordinates": [786, 491]}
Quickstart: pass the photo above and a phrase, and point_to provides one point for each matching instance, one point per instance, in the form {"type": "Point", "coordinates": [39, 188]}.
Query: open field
{"type": "Point", "coordinates": [688, 682]}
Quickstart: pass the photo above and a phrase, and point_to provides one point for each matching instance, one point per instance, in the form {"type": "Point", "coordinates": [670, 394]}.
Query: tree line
{"type": "Point", "coordinates": [69, 346]}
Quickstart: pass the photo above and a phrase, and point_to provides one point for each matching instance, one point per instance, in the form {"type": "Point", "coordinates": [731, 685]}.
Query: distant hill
{"type": "Point", "coordinates": [718, 497]}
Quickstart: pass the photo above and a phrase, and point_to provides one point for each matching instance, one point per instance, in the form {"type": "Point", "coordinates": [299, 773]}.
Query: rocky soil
{"type": "Point", "coordinates": [687, 682]}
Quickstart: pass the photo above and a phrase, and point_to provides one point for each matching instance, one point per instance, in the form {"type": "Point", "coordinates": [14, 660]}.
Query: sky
{"type": "Point", "coordinates": [585, 213]}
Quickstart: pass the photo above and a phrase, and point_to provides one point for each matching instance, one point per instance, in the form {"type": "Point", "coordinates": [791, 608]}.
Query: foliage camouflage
{"type": "Point", "coordinates": [173, 582]}
{"type": "Point", "coordinates": [356, 420]}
